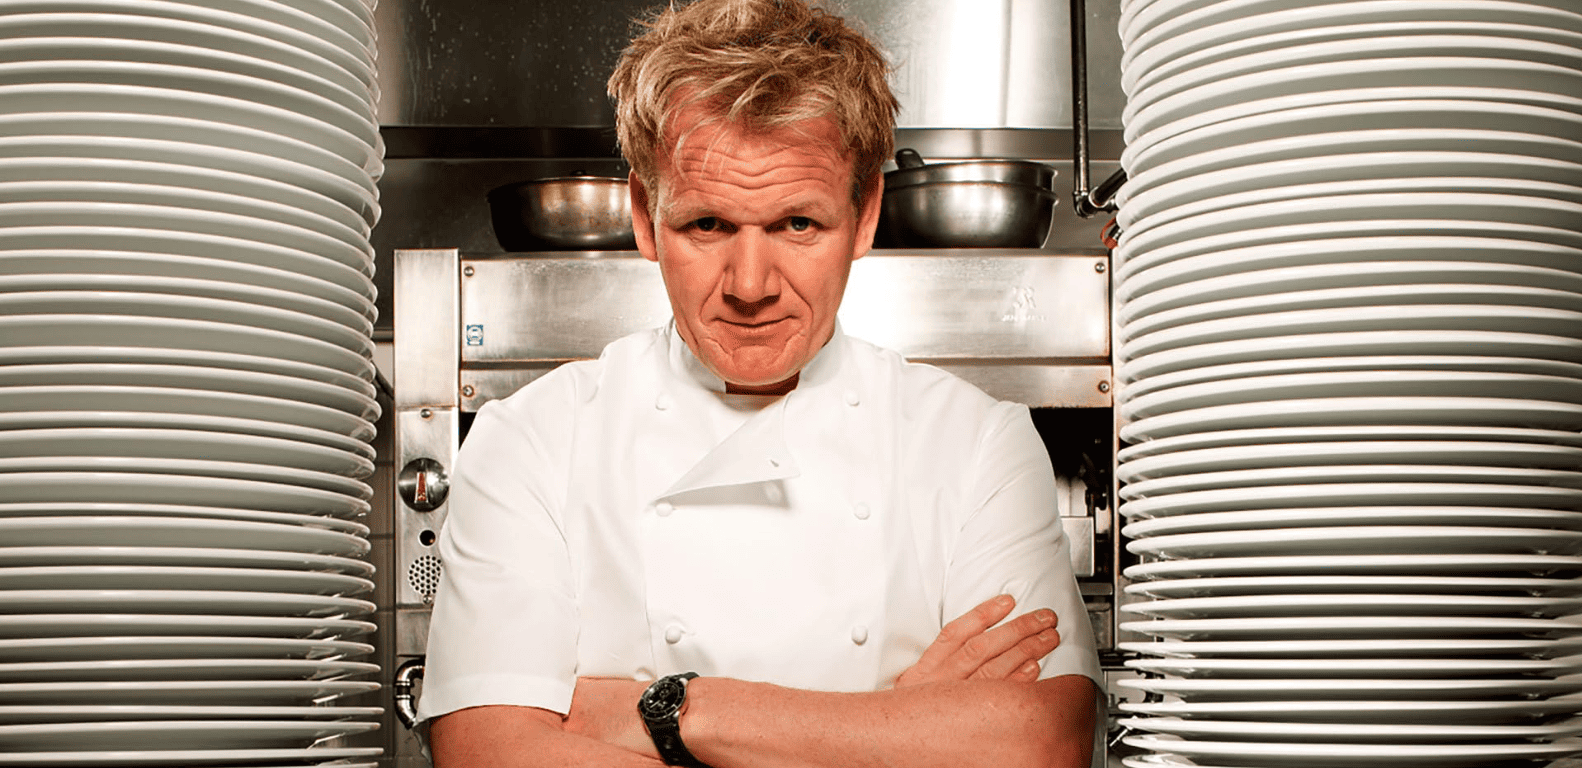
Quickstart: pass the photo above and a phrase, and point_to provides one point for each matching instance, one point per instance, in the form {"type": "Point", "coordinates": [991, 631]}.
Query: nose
{"type": "Point", "coordinates": [752, 275]}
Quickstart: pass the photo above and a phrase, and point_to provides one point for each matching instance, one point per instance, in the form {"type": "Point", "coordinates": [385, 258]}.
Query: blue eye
{"type": "Point", "coordinates": [800, 223]}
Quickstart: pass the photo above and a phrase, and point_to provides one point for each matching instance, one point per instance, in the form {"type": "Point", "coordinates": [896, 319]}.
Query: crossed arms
{"type": "Point", "coordinates": [972, 699]}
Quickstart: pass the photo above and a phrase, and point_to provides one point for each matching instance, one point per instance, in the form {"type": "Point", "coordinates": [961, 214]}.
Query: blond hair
{"type": "Point", "coordinates": [760, 64]}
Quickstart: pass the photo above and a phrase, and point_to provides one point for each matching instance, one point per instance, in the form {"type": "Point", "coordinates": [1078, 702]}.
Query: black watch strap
{"type": "Point", "coordinates": [665, 728]}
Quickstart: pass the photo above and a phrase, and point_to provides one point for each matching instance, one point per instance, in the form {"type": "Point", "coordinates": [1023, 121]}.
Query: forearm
{"type": "Point", "coordinates": [1049, 724]}
{"type": "Point", "coordinates": [520, 737]}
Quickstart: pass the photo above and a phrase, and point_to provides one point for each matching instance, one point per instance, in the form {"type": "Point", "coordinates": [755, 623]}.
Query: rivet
{"type": "Point", "coordinates": [468, 271]}
{"type": "Point", "coordinates": [426, 414]}
{"type": "Point", "coordinates": [1104, 386]}
{"type": "Point", "coordinates": [1099, 266]}
{"type": "Point", "coordinates": [467, 391]}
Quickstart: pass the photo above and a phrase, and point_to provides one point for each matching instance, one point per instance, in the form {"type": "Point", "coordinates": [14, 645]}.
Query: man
{"type": "Point", "coordinates": [828, 536]}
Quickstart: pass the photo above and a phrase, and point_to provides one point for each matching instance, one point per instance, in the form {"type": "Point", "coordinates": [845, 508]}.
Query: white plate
{"type": "Point", "coordinates": [1342, 242]}
{"type": "Point", "coordinates": [1418, 712]}
{"type": "Point", "coordinates": [1231, 21]}
{"type": "Point", "coordinates": [1555, 566]}
{"type": "Point", "coordinates": [174, 647]}
{"type": "Point", "coordinates": [1339, 284]}
{"type": "Point", "coordinates": [1391, 344]}
{"type": "Point", "coordinates": [1152, 86]}
{"type": "Point", "coordinates": [1520, 82]}
{"type": "Point", "coordinates": [109, 179]}
{"type": "Point", "coordinates": [20, 626]}
{"type": "Point", "coordinates": [182, 669]}
{"type": "Point", "coordinates": [1324, 755]}
{"type": "Point", "coordinates": [271, 300]}
{"type": "Point", "coordinates": [1402, 628]}
{"type": "Point", "coordinates": [1348, 433]}
{"type": "Point", "coordinates": [285, 455]}
{"type": "Point", "coordinates": [154, 420]}
{"type": "Point", "coordinates": [1353, 319]}
{"type": "Point", "coordinates": [89, 713]}
{"type": "Point", "coordinates": [1428, 294]}
{"type": "Point", "coordinates": [1351, 667]}
{"type": "Point", "coordinates": [1188, 51]}
{"type": "Point", "coordinates": [192, 276]}
{"type": "Point", "coordinates": [127, 531]}
{"type": "Point", "coordinates": [151, 577]}
{"type": "Point", "coordinates": [1316, 385]}
{"type": "Point", "coordinates": [1353, 604]}
{"type": "Point", "coordinates": [1352, 584]}
{"type": "Point", "coordinates": [177, 444]}
{"type": "Point", "coordinates": [195, 757]}
{"type": "Point", "coordinates": [181, 333]}
{"type": "Point", "coordinates": [336, 392]}
{"type": "Point", "coordinates": [216, 97]}
{"type": "Point", "coordinates": [1293, 127]}
{"type": "Point", "coordinates": [149, 363]}
{"type": "Point", "coordinates": [187, 220]}
{"type": "Point", "coordinates": [1233, 458]}
{"type": "Point", "coordinates": [1362, 539]}
{"type": "Point", "coordinates": [1460, 208]}
{"type": "Point", "coordinates": [1350, 173]}
{"type": "Point", "coordinates": [1352, 649]}
{"type": "Point", "coordinates": [186, 692]}
{"type": "Point", "coordinates": [51, 130]}
{"type": "Point", "coordinates": [1356, 733]}
{"type": "Point", "coordinates": [1359, 410]}
{"type": "Point", "coordinates": [138, 38]}
{"type": "Point", "coordinates": [1354, 515]}
{"type": "Point", "coordinates": [1277, 689]}
{"type": "Point", "coordinates": [263, 473]}
{"type": "Point", "coordinates": [176, 400]}
{"type": "Point", "coordinates": [219, 312]}
{"type": "Point", "coordinates": [1367, 473]}
{"type": "Point", "coordinates": [58, 509]}
{"type": "Point", "coordinates": [353, 235]}
{"type": "Point", "coordinates": [157, 488]}
{"type": "Point", "coordinates": [42, 37]}
{"type": "Point", "coordinates": [182, 602]}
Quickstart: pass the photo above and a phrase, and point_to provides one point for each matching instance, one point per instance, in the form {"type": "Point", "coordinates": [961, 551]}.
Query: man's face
{"type": "Point", "coordinates": [755, 234]}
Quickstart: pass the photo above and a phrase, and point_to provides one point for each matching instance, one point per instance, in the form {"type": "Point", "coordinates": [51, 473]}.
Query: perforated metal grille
{"type": "Point", "coordinates": [424, 574]}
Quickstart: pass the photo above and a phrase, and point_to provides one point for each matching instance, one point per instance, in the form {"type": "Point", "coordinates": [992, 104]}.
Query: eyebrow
{"type": "Point", "coordinates": [688, 212]}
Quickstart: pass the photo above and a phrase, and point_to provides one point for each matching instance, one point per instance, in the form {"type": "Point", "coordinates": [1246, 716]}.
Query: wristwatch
{"type": "Point", "coordinates": [660, 707]}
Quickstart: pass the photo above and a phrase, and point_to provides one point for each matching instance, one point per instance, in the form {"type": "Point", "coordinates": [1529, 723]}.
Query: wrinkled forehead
{"type": "Point", "coordinates": [698, 140]}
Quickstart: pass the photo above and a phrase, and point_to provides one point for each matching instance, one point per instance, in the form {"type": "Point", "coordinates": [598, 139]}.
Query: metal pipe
{"type": "Point", "coordinates": [1102, 199]}
{"type": "Point", "coordinates": [406, 677]}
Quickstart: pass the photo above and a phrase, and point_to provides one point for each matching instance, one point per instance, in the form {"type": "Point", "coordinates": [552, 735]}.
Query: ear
{"type": "Point", "coordinates": [868, 217]}
{"type": "Point", "coordinates": [642, 219]}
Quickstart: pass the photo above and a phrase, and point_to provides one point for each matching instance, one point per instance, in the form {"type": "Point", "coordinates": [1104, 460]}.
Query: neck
{"type": "Point", "coordinates": [766, 389]}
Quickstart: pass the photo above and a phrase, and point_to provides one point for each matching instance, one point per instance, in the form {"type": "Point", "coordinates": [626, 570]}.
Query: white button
{"type": "Point", "coordinates": [673, 634]}
{"type": "Point", "coordinates": [859, 634]}
{"type": "Point", "coordinates": [861, 511]}
{"type": "Point", "coordinates": [852, 399]}
{"type": "Point", "coordinates": [662, 402]}
{"type": "Point", "coordinates": [774, 494]}
{"type": "Point", "coordinates": [664, 508]}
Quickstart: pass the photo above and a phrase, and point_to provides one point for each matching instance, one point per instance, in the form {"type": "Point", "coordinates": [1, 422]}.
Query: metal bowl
{"type": "Point", "coordinates": [566, 213]}
{"type": "Point", "coordinates": [969, 204]}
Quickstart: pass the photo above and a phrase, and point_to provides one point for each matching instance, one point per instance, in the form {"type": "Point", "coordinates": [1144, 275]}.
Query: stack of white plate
{"type": "Point", "coordinates": [186, 397]}
{"type": "Point", "coordinates": [1349, 363]}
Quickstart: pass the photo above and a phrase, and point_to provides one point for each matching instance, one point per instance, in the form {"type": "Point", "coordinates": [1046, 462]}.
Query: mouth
{"type": "Point", "coordinates": [755, 327]}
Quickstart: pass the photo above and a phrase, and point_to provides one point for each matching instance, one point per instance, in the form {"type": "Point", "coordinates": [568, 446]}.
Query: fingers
{"type": "Point", "coordinates": [962, 630]}
{"type": "Point", "coordinates": [1020, 662]}
{"type": "Point", "coordinates": [1000, 651]}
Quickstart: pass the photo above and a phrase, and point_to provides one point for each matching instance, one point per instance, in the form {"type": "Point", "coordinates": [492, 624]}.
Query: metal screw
{"type": "Point", "coordinates": [467, 391]}
{"type": "Point", "coordinates": [426, 413]}
{"type": "Point", "coordinates": [428, 599]}
{"type": "Point", "coordinates": [1098, 266]}
{"type": "Point", "coordinates": [468, 271]}
{"type": "Point", "coordinates": [1104, 386]}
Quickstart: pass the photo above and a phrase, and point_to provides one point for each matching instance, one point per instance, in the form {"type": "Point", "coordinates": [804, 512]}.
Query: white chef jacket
{"type": "Point", "coordinates": [625, 517]}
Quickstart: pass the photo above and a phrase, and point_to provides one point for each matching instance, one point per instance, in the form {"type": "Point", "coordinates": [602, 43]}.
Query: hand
{"type": "Point", "coordinates": [967, 649]}
{"type": "Point", "coordinates": [605, 708]}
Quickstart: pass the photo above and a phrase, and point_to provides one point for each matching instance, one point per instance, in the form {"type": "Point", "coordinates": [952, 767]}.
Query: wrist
{"type": "Point", "coordinates": [661, 708]}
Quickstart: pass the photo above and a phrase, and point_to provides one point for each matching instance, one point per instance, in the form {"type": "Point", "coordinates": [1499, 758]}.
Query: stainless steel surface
{"type": "Point", "coordinates": [433, 434]}
{"type": "Point", "coordinates": [563, 213]}
{"type": "Point", "coordinates": [912, 169]}
{"type": "Point", "coordinates": [406, 679]}
{"type": "Point", "coordinates": [426, 316]}
{"type": "Point", "coordinates": [958, 63]}
{"type": "Point", "coordinates": [966, 214]}
{"type": "Point", "coordinates": [954, 305]}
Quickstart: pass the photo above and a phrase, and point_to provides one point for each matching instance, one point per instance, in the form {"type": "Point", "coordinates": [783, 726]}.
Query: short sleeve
{"type": "Point", "coordinates": [505, 621]}
{"type": "Point", "coordinates": [1012, 541]}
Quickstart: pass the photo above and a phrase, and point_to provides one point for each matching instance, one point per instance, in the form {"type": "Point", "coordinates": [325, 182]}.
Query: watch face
{"type": "Point", "coordinates": [662, 698]}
